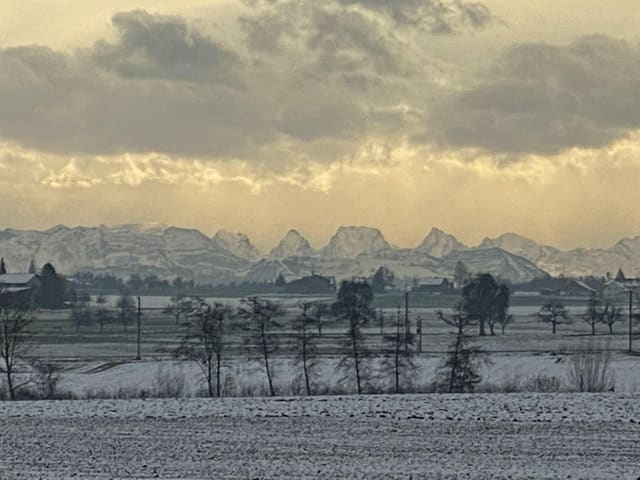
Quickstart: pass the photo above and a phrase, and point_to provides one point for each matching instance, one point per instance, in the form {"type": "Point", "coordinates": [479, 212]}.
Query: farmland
{"type": "Point", "coordinates": [518, 436]}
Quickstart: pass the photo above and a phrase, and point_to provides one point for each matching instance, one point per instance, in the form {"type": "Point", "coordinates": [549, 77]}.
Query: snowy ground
{"type": "Point", "coordinates": [241, 377]}
{"type": "Point", "coordinates": [517, 436]}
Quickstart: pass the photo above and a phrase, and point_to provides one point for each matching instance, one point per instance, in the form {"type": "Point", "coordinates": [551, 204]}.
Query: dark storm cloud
{"type": "Point", "coordinates": [544, 98]}
{"type": "Point", "coordinates": [303, 71]}
{"type": "Point", "coordinates": [153, 46]}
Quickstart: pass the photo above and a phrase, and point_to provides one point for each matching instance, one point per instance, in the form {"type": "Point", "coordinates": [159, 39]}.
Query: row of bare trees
{"type": "Point", "coordinates": [597, 312]}
{"type": "Point", "coordinates": [210, 333]}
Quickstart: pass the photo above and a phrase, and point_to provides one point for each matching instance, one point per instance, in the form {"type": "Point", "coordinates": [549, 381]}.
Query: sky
{"type": "Point", "coordinates": [258, 116]}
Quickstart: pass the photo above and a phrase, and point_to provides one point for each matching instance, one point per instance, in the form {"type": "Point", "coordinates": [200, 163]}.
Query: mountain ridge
{"type": "Point", "coordinates": [352, 250]}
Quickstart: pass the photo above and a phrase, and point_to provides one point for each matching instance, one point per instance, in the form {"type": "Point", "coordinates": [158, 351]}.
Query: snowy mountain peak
{"type": "Point", "coordinates": [509, 242]}
{"type": "Point", "coordinates": [522, 246]}
{"type": "Point", "coordinates": [438, 244]}
{"type": "Point", "coordinates": [349, 242]}
{"type": "Point", "coordinates": [292, 245]}
{"type": "Point", "coordinates": [238, 244]}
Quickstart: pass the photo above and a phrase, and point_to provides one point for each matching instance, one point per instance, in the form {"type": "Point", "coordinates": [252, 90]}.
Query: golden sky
{"type": "Point", "coordinates": [260, 116]}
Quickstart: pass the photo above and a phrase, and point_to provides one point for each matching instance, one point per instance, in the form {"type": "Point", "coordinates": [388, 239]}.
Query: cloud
{"type": "Point", "coordinates": [435, 16]}
{"type": "Point", "coordinates": [301, 73]}
{"type": "Point", "coordinates": [157, 88]}
{"type": "Point", "coordinates": [158, 46]}
{"type": "Point", "coordinates": [545, 98]}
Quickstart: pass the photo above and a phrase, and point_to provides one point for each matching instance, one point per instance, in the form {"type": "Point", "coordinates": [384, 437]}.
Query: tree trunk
{"type": "Point", "coordinates": [553, 326]}
{"type": "Point", "coordinates": [304, 358]}
{"type": "Point", "coordinates": [593, 328]}
{"type": "Point", "coordinates": [356, 360]}
{"type": "Point", "coordinates": [209, 377]}
{"type": "Point", "coordinates": [481, 327]}
{"type": "Point", "coordinates": [397, 357]}
{"type": "Point", "coordinates": [493, 333]}
{"type": "Point", "coordinates": [611, 329]}
{"type": "Point", "coordinates": [12, 393]}
{"type": "Point", "coordinates": [218, 361]}
{"type": "Point", "coordinates": [265, 352]}
{"type": "Point", "coordinates": [454, 364]}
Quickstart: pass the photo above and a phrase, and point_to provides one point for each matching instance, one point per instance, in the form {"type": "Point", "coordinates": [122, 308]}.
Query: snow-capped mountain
{"type": "Point", "coordinates": [122, 250]}
{"type": "Point", "coordinates": [352, 251]}
{"type": "Point", "coordinates": [238, 244]}
{"type": "Point", "coordinates": [350, 242]}
{"type": "Point", "coordinates": [292, 245]}
{"type": "Point", "coordinates": [624, 254]}
{"type": "Point", "coordinates": [438, 244]}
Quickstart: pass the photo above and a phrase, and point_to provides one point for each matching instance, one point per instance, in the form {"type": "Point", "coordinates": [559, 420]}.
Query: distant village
{"type": "Point", "coordinates": [47, 289]}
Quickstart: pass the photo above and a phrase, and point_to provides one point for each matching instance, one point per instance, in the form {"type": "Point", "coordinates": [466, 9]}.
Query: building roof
{"type": "Point", "coordinates": [582, 285]}
{"type": "Point", "coordinates": [5, 290]}
{"type": "Point", "coordinates": [625, 285]}
{"type": "Point", "coordinates": [432, 282]}
{"type": "Point", "coordinates": [16, 278]}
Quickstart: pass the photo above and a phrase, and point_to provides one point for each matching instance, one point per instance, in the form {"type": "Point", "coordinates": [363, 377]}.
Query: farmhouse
{"type": "Point", "coordinates": [313, 284]}
{"type": "Point", "coordinates": [434, 285]}
{"type": "Point", "coordinates": [18, 286]}
{"type": "Point", "coordinates": [575, 288]}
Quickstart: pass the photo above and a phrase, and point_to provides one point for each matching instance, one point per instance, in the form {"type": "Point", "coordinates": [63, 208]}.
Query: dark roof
{"type": "Point", "coordinates": [16, 278]}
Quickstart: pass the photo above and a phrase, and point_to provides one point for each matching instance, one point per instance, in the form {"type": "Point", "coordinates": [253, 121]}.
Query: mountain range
{"type": "Point", "coordinates": [169, 251]}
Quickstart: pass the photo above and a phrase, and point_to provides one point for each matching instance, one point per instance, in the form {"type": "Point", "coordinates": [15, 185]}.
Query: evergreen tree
{"type": "Point", "coordinates": [485, 300]}
{"type": "Point", "coordinates": [461, 274]}
{"type": "Point", "coordinates": [280, 281]}
{"type": "Point", "coordinates": [32, 267]}
{"type": "Point", "coordinates": [3, 267]}
{"type": "Point", "coordinates": [460, 369]}
{"type": "Point", "coordinates": [52, 291]}
{"type": "Point", "coordinates": [382, 279]}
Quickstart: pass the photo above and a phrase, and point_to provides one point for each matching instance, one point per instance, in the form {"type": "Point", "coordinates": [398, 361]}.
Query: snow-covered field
{"type": "Point", "coordinates": [242, 377]}
{"type": "Point", "coordinates": [516, 436]}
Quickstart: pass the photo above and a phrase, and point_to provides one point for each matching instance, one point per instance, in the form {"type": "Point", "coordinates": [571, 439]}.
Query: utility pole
{"type": "Point", "coordinates": [138, 357]}
{"type": "Point", "coordinates": [630, 320]}
{"type": "Point", "coordinates": [406, 313]}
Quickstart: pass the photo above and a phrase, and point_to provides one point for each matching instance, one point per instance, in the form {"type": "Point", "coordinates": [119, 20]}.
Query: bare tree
{"type": "Point", "coordinates": [321, 312]}
{"type": "Point", "coordinates": [306, 345]}
{"type": "Point", "coordinates": [354, 306]}
{"type": "Point", "coordinates": [126, 309]}
{"type": "Point", "coordinates": [504, 321]}
{"type": "Point", "coordinates": [46, 378]}
{"type": "Point", "coordinates": [102, 314]}
{"type": "Point", "coordinates": [460, 369]}
{"type": "Point", "coordinates": [459, 319]}
{"type": "Point", "coordinates": [610, 315]}
{"type": "Point", "coordinates": [593, 314]}
{"type": "Point", "coordinates": [399, 360]}
{"type": "Point", "coordinates": [179, 306]}
{"type": "Point", "coordinates": [260, 315]}
{"type": "Point", "coordinates": [590, 370]}
{"type": "Point", "coordinates": [205, 341]}
{"type": "Point", "coordinates": [81, 313]}
{"type": "Point", "coordinates": [555, 314]}
{"type": "Point", "coordinates": [498, 314]}
{"type": "Point", "coordinates": [15, 318]}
